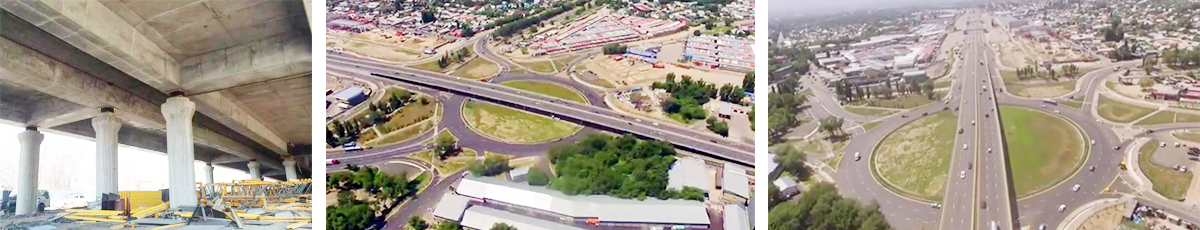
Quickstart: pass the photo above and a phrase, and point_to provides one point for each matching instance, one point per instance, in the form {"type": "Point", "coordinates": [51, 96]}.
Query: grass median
{"type": "Point", "coordinates": [1043, 149]}
{"type": "Point", "coordinates": [1167, 181]}
{"type": "Point", "coordinates": [477, 68]}
{"type": "Point", "coordinates": [519, 126]}
{"type": "Point", "coordinates": [1166, 116]}
{"type": "Point", "coordinates": [914, 160]}
{"type": "Point", "coordinates": [1117, 111]}
{"type": "Point", "coordinates": [865, 111]}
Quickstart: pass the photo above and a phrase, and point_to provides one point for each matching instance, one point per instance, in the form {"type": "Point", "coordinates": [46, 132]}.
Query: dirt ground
{"type": "Point", "coordinates": [636, 72]}
{"type": "Point", "coordinates": [386, 46]}
{"type": "Point", "coordinates": [1106, 219]}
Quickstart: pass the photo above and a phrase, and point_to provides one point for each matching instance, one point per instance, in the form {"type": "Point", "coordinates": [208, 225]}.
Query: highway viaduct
{"type": "Point", "coordinates": [223, 82]}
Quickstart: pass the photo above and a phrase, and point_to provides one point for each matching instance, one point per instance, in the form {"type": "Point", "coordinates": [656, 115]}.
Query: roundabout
{"type": "Point", "coordinates": [1043, 149]}
{"type": "Point", "coordinates": [914, 160]}
{"type": "Point", "coordinates": [518, 126]}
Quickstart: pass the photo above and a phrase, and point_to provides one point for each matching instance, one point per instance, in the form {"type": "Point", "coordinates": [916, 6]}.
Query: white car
{"type": "Point", "coordinates": [1093, 142]}
{"type": "Point", "coordinates": [989, 150]}
{"type": "Point", "coordinates": [962, 174]}
{"type": "Point", "coordinates": [1043, 106]}
{"type": "Point", "coordinates": [1062, 207]}
{"type": "Point", "coordinates": [964, 147]}
{"type": "Point", "coordinates": [856, 156]}
{"type": "Point", "coordinates": [1162, 144]}
{"type": "Point", "coordinates": [1076, 188]}
{"type": "Point", "coordinates": [972, 122]}
{"type": "Point", "coordinates": [1042, 227]}
{"type": "Point", "coordinates": [1056, 111]}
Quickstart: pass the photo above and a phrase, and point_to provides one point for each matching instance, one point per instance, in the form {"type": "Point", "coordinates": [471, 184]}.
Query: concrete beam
{"type": "Point", "coordinates": [28, 68]}
{"type": "Point", "coordinates": [308, 12]}
{"type": "Point", "coordinates": [100, 32]}
{"type": "Point", "coordinates": [50, 112]}
{"type": "Point", "coordinates": [275, 57]}
{"type": "Point", "coordinates": [230, 113]}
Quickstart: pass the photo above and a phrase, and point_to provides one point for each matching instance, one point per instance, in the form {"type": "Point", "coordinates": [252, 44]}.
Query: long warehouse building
{"type": "Point", "coordinates": [476, 202]}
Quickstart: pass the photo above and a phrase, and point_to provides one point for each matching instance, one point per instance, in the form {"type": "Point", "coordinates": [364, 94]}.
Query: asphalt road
{"type": "Point", "coordinates": [681, 137]}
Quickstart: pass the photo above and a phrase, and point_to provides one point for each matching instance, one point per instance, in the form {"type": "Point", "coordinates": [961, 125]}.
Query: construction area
{"type": "Point", "coordinates": [245, 204]}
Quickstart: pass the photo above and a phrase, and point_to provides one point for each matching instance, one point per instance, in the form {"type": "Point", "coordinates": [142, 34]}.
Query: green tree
{"type": "Point", "coordinates": [832, 125]}
{"type": "Point", "coordinates": [791, 160]}
{"type": "Point", "coordinates": [719, 127]}
{"type": "Point", "coordinates": [1145, 83]}
{"type": "Point", "coordinates": [536, 177]}
{"type": "Point", "coordinates": [491, 166]}
{"type": "Point", "coordinates": [446, 146]}
{"type": "Point", "coordinates": [502, 226]}
{"type": "Point", "coordinates": [748, 82]}
{"type": "Point", "coordinates": [428, 16]}
{"type": "Point", "coordinates": [448, 225]}
{"type": "Point", "coordinates": [416, 223]}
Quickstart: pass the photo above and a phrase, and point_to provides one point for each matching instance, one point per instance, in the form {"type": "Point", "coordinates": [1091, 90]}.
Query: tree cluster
{"type": "Point", "coordinates": [1124, 52]}
{"type": "Point", "coordinates": [719, 127]}
{"type": "Point", "coordinates": [732, 94]}
{"type": "Point", "coordinates": [821, 207]}
{"type": "Point", "coordinates": [536, 177]}
{"type": "Point", "coordinates": [615, 49]}
{"type": "Point", "coordinates": [491, 166]}
{"type": "Point", "coordinates": [341, 132]}
{"type": "Point", "coordinates": [784, 105]}
{"type": "Point", "coordinates": [748, 82]}
{"type": "Point", "coordinates": [445, 146]}
{"type": "Point", "coordinates": [848, 92]}
{"type": "Point", "coordinates": [416, 223]}
{"type": "Point", "coordinates": [1029, 72]}
{"type": "Point", "coordinates": [687, 96]}
{"type": "Point", "coordinates": [507, 29]}
{"type": "Point", "coordinates": [619, 166]}
{"type": "Point", "coordinates": [1114, 32]}
{"type": "Point", "coordinates": [351, 213]}
{"type": "Point", "coordinates": [370, 179]}
{"type": "Point", "coordinates": [466, 30]}
{"type": "Point", "coordinates": [1181, 58]}
{"type": "Point", "coordinates": [453, 57]}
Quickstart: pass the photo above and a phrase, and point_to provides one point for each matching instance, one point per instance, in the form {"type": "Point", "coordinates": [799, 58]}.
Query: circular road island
{"type": "Point", "coordinates": [914, 160]}
{"type": "Point", "coordinates": [518, 126]}
{"type": "Point", "coordinates": [1043, 149]}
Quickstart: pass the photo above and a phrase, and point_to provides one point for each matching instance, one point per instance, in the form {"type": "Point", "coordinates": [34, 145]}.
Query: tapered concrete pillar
{"type": "Point", "coordinates": [31, 141]}
{"type": "Point", "coordinates": [181, 158]}
{"type": "Point", "coordinates": [254, 174]}
{"type": "Point", "coordinates": [208, 173]}
{"type": "Point", "coordinates": [289, 168]}
{"type": "Point", "coordinates": [106, 125]}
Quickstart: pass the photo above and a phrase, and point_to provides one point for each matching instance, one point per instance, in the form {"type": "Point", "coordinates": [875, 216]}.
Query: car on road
{"type": "Point", "coordinates": [964, 146]}
{"type": "Point", "coordinates": [856, 156]}
{"type": "Point", "coordinates": [1093, 142]}
{"type": "Point", "coordinates": [1042, 227]}
{"type": "Point", "coordinates": [332, 162]}
{"type": "Point", "coordinates": [1043, 106]}
{"type": "Point", "coordinates": [936, 205]}
{"type": "Point", "coordinates": [1117, 148]}
{"type": "Point", "coordinates": [987, 115]}
{"type": "Point", "coordinates": [904, 116]}
{"type": "Point", "coordinates": [989, 150]}
{"type": "Point", "coordinates": [972, 122]}
{"type": "Point", "coordinates": [982, 204]}
{"type": "Point", "coordinates": [1075, 188]}
{"type": "Point", "coordinates": [1056, 111]}
{"type": "Point", "coordinates": [960, 130]}
{"type": "Point", "coordinates": [969, 166]}
{"type": "Point", "coordinates": [1062, 207]}
{"type": "Point", "coordinates": [1092, 168]}
{"type": "Point", "coordinates": [962, 174]}
{"type": "Point", "coordinates": [1162, 144]}
{"type": "Point", "coordinates": [655, 123]}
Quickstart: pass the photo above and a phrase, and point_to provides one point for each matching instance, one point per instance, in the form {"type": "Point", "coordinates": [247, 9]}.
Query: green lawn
{"type": "Point", "coordinates": [907, 102]}
{"type": "Point", "coordinates": [1164, 117]}
{"type": "Point", "coordinates": [1072, 103]}
{"type": "Point", "coordinates": [943, 84]}
{"type": "Point", "coordinates": [477, 68]}
{"type": "Point", "coordinates": [1043, 149]}
{"type": "Point", "coordinates": [1167, 181]}
{"type": "Point", "coordinates": [1048, 90]}
{"type": "Point", "coordinates": [513, 125]}
{"type": "Point", "coordinates": [431, 66]}
{"type": "Point", "coordinates": [872, 125]}
{"type": "Point", "coordinates": [1008, 76]}
{"type": "Point", "coordinates": [547, 88]}
{"type": "Point", "coordinates": [915, 159]}
{"type": "Point", "coordinates": [1116, 111]}
{"type": "Point", "coordinates": [1187, 136]}
{"type": "Point", "coordinates": [546, 66]}
{"type": "Point", "coordinates": [869, 111]}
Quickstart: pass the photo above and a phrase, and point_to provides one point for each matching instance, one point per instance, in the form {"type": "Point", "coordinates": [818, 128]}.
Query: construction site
{"type": "Point", "coordinates": [246, 204]}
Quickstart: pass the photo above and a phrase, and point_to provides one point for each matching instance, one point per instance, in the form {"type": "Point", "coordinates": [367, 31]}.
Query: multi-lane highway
{"type": "Point", "coordinates": [682, 137]}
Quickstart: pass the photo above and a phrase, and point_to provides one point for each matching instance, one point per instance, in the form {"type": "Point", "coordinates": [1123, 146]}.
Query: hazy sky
{"type": "Point", "coordinates": [68, 163]}
{"type": "Point", "coordinates": [790, 8]}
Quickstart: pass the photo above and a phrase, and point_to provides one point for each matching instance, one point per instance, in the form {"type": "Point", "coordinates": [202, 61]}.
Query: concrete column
{"type": "Point", "coordinates": [289, 168]}
{"type": "Point", "coordinates": [106, 125]}
{"type": "Point", "coordinates": [254, 174]}
{"type": "Point", "coordinates": [208, 173]}
{"type": "Point", "coordinates": [31, 141]}
{"type": "Point", "coordinates": [181, 158]}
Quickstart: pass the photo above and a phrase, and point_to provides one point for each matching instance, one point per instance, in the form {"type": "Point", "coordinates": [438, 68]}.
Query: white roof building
{"type": "Point", "coordinates": [604, 209]}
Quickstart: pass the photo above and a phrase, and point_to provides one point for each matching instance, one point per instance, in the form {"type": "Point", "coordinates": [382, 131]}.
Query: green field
{"type": "Point", "coordinates": [547, 88]}
{"type": "Point", "coordinates": [1164, 117]}
{"type": "Point", "coordinates": [477, 68]}
{"type": "Point", "coordinates": [1043, 149]}
{"type": "Point", "coordinates": [518, 126]}
{"type": "Point", "coordinates": [906, 102]}
{"type": "Point", "coordinates": [1072, 103]}
{"type": "Point", "coordinates": [1047, 90]}
{"type": "Point", "coordinates": [1167, 181]}
{"type": "Point", "coordinates": [1116, 111]}
{"type": "Point", "coordinates": [869, 111]}
{"type": "Point", "coordinates": [548, 65]}
{"type": "Point", "coordinates": [431, 66]}
{"type": "Point", "coordinates": [914, 160]}
{"type": "Point", "coordinates": [1187, 136]}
